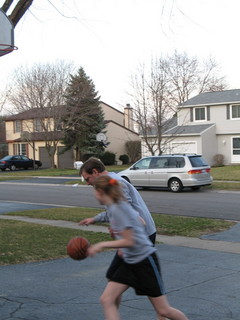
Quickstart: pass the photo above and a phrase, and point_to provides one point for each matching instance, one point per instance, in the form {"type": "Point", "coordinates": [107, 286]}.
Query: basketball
{"type": "Point", "coordinates": [77, 248]}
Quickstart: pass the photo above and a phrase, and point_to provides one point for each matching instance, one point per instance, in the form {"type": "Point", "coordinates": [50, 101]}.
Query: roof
{"type": "Point", "coordinates": [189, 129]}
{"type": "Point", "coordinates": [213, 98]}
{"type": "Point", "coordinates": [37, 113]}
{"type": "Point", "coordinates": [108, 105]}
{"type": "Point", "coordinates": [167, 125]}
{"type": "Point", "coordinates": [42, 136]}
{"type": "Point", "coordinates": [119, 125]}
{"type": "Point", "coordinates": [25, 115]}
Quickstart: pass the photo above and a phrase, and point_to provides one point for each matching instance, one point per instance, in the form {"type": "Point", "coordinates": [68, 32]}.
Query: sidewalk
{"type": "Point", "coordinates": [203, 243]}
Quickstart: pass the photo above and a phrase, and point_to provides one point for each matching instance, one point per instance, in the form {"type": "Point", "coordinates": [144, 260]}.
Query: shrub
{"type": "Point", "coordinates": [108, 158]}
{"type": "Point", "coordinates": [218, 160]}
{"type": "Point", "coordinates": [124, 158]}
{"type": "Point", "coordinates": [133, 149]}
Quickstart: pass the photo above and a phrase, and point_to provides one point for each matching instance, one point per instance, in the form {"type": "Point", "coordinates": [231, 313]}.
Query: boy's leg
{"type": "Point", "coordinates": [109, 299]}
{"type": "Point", "coordinates": [163, 309]}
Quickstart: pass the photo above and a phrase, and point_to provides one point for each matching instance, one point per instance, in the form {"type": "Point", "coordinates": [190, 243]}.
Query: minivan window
{"type": "Point", "coordinates": [198, 162]}
{"type": "Point", "coordinates": [143, 164]}
{"type": "Point", "coordinates": [176, 162]}
{"type": "Point", "coordinates": [159, 163]}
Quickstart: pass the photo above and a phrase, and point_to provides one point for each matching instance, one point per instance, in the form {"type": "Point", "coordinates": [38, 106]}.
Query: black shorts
{"type": "Point", "coordinates": [117, 261]}
{"type": "Point", "coordinates": [144, 277]}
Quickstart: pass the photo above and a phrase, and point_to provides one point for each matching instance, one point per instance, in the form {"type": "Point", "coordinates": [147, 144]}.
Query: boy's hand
{"type": "Point", "coordinates": [94, 249]}
{"type": "Point", "coordinates": [87, 221]}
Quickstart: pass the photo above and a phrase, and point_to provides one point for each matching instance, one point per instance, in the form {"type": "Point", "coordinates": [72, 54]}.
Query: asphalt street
{"type": "Point", "coordinates": [203, 203]}
{"type": "Point", "coordinates": [204, 284]}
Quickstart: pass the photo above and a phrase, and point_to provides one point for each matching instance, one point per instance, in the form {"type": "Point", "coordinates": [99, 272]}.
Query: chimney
{"type": "Point", "coordinates": [128, 117]}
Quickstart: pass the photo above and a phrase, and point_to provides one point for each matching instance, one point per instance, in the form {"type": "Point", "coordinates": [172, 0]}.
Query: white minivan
{"type": "Point", "coordinates": [175, 172]}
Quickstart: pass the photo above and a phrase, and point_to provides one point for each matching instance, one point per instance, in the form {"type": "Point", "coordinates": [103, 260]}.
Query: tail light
{"type": "Point", "coordinates": [3, 161]}
{"type": "Point", "coordinates": [198, 171]}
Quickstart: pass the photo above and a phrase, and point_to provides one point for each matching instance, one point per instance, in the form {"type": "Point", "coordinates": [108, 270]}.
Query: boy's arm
{"type": "Point", "coordinates": [101, 217]}
{"type": "Point", "coordinates": [126, 242]}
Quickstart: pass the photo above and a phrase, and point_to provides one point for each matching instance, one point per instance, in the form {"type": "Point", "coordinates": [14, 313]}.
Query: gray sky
{"type": "Point", "coordinates": [109, 38]}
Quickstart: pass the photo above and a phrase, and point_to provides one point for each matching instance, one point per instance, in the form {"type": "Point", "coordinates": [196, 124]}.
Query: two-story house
{"type": "Point", "coordinates": [208, 124]}
{"type": "Point", "coordinates": [119, 129]}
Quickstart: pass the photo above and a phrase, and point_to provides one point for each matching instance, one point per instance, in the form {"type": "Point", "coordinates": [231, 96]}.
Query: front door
{"type": "Point", "coordinates": [236, 149]}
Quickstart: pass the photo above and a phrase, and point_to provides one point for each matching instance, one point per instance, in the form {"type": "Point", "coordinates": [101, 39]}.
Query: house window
{"type": "Point", "coordinates": [236, 112]}
{"type": "Point", "coordinates": [236, 146]}
{"type": "Point", "coordinates": [37, 124]}
{"type": "Point", "coordinates": [200, 114]}
{"type": "Point", "coordinates": [17, 126]}
{"type": "Point", "coordinates": [20, 148]}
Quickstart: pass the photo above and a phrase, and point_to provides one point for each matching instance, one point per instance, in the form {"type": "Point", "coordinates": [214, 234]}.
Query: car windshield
{"type": "Point", "coordinates": [7, 158]}
{"type": "Point", "coordinates": [198, 162]}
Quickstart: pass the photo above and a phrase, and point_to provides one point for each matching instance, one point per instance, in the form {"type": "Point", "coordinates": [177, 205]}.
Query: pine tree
{"type": "Point", "coordinates": [84, 117]}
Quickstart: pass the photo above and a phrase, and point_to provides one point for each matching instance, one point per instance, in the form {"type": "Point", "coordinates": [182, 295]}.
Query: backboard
{"type": "Point", "coordinates": [6, 34]}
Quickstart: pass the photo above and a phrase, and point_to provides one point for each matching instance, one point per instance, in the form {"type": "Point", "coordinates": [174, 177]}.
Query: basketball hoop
{"type": "Point", "coordinates": [6, 35]}
{"type": "Point", "coordinates": [6, 48]}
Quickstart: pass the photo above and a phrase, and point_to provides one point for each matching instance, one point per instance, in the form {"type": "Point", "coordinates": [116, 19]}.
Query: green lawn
{"type": "Point", "coordinates": [166, 224]}
{"type": "Point", "coordinates": [54, 172]}
{"type": "Point", "coordinates": [24, 242]}
{"type": "Point", "coordinates": [231, 173]}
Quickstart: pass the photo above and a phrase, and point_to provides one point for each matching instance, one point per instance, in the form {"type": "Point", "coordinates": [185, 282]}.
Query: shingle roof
{"type": "Point", "coordinates": [42, 136]}
{"type": "Point", "coordinates": [214, 98]}
{"type": "Point", "coordinates": [189, 130]}
{"type": "Point", "coordinates": [167, 125]}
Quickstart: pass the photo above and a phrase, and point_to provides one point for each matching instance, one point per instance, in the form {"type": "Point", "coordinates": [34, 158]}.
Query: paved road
{"type": "Point", "coordinates": [205, 203]}
{"type": "Point", "coordinates": [204, 284]}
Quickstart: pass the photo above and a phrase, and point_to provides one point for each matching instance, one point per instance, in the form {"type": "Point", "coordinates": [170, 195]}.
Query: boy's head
{"type": "Point", "coordinates": [92, 169]}
{"type": "Point", "coordinates": [107, 190]}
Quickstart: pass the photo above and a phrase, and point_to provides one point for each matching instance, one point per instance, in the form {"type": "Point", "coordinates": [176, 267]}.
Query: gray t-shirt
{"type": "Point", "coordinates": [122, 216]}
{"type": "Point", "coordinates": [134, 198]}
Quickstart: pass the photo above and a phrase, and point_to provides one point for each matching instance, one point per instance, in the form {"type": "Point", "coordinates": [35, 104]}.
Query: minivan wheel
{"type": "Point", "coordinates": [175, 185]}
{"type": "Point", "coordinates": [13, 167]}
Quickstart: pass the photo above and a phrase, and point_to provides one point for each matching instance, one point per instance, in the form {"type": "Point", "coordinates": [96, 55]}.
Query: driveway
{"type": "Point", "coordinates": [204, 284]}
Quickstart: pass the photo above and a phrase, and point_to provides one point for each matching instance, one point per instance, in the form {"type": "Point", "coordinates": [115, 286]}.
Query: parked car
{"type": "Point", "coordinates": [18, 162]}
{"type": "Point", "coordinates": [175, 172]}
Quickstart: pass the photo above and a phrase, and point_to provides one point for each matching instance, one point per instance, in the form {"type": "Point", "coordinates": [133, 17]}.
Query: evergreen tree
{"type": "Point", "coordinates": [84, 117]}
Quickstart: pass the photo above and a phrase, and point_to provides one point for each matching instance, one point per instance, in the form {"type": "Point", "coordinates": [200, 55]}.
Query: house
{"type": "Point", "coordinates": [208, 124]}
{"type": "Point", "coordinates": [119, 129]}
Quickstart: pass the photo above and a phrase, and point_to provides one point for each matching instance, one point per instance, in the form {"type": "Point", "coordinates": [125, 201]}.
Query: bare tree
{"type": "Point", "coordinates": [20, 8]}
{"type": "Point", "coordinates": [41, 89]}
{"type": "Point", "coordinates": [150, 95]}
{"type": "Point", "coordinates": [157, 92]}
{"type": "Point", "coordinates": [190, 76]}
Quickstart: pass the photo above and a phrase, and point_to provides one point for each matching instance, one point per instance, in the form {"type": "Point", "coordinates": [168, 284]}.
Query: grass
{"type": "Point", "coordinates": [27, 242]}
{"type": "Point", "coordinates": [54, 172]}
{"type": "Point", "coordinates": [231, 186]}
{"type": "Point", "coordinates": [166, 224]}
{"type": "Point", "coordinates": [10, 178]}
{"type": "Point", "coordinates": [230, 173]}
{"type": "Point", "coordinates": [22, 242]}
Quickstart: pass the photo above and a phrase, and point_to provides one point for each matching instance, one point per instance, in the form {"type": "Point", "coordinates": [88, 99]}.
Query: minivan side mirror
{"type": "Point", "coordinates": [133, 168]}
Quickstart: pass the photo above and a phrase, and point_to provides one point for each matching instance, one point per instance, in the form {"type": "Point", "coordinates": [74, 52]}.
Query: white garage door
{"type": "Point", "coordinates": [184, 147]}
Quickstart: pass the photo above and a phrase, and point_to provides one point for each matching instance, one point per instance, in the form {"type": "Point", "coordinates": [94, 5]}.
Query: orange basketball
{"type": "Point", "coordinates": [77, 248]}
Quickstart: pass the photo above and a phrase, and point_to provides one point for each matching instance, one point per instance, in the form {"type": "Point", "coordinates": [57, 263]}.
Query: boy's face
{"type": "Point", "coordinates": [90, 178]}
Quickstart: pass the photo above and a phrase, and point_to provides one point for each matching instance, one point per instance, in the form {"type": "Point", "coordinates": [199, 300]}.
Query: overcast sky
{"type": "Point", "coordinates": [109, 38]}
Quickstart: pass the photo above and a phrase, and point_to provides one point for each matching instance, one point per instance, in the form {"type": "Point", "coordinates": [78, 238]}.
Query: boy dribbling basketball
{"type": "Point", "coordinates": [140, 269]}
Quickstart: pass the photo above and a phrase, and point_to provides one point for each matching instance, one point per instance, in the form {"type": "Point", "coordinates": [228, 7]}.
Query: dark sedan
{"type": "Point", "coordinates": [18, 162]}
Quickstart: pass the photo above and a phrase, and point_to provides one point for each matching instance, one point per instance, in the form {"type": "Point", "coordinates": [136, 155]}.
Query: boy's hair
{"type": "Point", "coordinates": [109, 186]}
{"type": "Point", "coordinates": [90, 164]}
